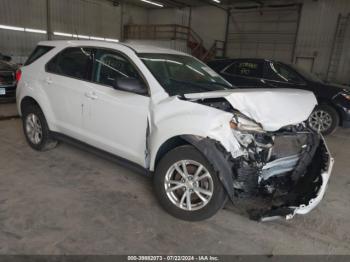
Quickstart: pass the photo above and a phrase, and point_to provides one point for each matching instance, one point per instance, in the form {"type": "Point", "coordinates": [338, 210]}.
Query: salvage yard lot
{"type": "Point", "coordinates": [68, 201]}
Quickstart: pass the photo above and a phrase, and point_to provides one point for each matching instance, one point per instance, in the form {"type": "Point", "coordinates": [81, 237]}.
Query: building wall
{"type": "Point", "coordinates": [316, 34]}
{"type": "Point", "coordinates": [210, 23]}
{"type": "Point", "coordinates": [86, 17]}
{"type": "Point", "coordinates": [207, 21]}
{"type": "Point", "coordinates": [168, 16]}
{"type": "Point", "coordinates": [263, 33]}
{"type": "Point", "coordinates": [314, 38]}
{"type": "Point", "coordinates": [100, 18]}
{"type": "Point", "coordinates": [21, 13]}
{"type": "Point", "coordinates": [134, 15]}
{"type": "Point", "coordinates": [97, 18]}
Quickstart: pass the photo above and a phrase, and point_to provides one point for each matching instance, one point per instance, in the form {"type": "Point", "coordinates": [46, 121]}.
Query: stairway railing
{"type": "Point", "coordinates": [172, 32]}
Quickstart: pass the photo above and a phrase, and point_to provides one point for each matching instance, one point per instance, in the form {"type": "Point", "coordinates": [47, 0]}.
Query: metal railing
{"type": "Point", "coordinates": [173, 32]}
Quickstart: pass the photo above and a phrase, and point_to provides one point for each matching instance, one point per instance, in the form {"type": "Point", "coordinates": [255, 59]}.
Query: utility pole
{"type": "Point", "coordinates": [228, 17]}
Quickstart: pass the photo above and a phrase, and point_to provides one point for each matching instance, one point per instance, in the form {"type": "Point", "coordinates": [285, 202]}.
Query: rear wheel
{"type": "Point", "coordinates": [36, 129]}
{"type": "Point", "coordinates": [187, 186]}
{"type": "Point", "coordinates": [324, 119]}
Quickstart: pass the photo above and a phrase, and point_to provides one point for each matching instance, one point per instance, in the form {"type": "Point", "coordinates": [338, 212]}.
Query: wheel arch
{"type": "Point", "coordinates": [330, 104]}
{"type": "Point", "coordinates": [211, 149]}
{"type": "Point", "coordinates": [44, 106]}
{"type": "Point", "coordinates": [168, 145]}
{"type": "Point", "coordinates": [26, 101]}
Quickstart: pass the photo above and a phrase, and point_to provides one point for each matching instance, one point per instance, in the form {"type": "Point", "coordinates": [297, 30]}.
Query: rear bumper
{"type": "Point", "coordinates": [10, 91]}
{"type": "Point", "coordinates": [314, 187]}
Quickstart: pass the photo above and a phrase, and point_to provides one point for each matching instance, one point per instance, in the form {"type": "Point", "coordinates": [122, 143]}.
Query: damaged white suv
{"type": "Point", "coordinates": [170, 114]}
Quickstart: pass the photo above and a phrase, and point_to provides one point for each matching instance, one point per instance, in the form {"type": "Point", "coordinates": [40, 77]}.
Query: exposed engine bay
{"type": "Point", "coordinates": [281, 170]}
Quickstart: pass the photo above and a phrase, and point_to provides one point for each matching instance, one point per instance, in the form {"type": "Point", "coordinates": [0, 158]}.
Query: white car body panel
{"type": "Point", "coordinates": [135, 126]}
{"type": "Point", "coordinates": [123, 117]}
{"type": "Point", "coordinates": [174, 117]}
{"type": "Point", "coordinates": [272, 108]}
{"type": "Point", "coordinates": [66, 96]}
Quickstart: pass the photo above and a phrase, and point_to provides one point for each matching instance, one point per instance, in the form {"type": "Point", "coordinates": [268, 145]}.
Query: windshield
{"type": "Point", "coordinates": [181, 74]}
{"type": "Point", "coordinates": [306, 74]}
{"type": "Point", "coordinates": [6, 66]}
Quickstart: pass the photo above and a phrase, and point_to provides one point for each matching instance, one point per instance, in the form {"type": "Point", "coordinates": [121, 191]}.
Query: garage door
{"type": "Point", "coordinates": [263, 33]}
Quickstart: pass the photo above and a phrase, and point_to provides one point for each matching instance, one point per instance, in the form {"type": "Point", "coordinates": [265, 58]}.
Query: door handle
{"type": "Point", "coordinates": [49, 80]}
{"type": "Point", "coordinates": [91, 95]}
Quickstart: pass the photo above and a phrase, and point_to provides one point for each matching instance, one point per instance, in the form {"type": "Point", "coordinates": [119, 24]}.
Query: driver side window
{"type": "Point", "coordinates": [110, 66]}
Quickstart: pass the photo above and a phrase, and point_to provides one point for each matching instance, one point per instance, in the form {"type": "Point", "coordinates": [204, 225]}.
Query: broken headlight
{"type": "Point", "coordinates": [242, 123]}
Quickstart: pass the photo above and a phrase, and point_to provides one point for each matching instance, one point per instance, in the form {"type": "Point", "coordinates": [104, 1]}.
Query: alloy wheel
{"type": "Point", "coordinates": [320, 120]}
{"type": "Point", "coordinates": [34, 129]}
{"type": "Point", "coordinates": [189, 185]}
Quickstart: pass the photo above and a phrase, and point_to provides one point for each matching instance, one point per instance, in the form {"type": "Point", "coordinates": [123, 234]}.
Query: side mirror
{"type": "Point", "coordinates": [130, 84]}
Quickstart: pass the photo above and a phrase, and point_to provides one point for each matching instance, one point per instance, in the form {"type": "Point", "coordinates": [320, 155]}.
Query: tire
{"type": "Point", "coordinates": [325, 118]}
{"type": "Point", "coordinates": [170, 200]}
{"type": "Point", "coordinates": [43, 140]}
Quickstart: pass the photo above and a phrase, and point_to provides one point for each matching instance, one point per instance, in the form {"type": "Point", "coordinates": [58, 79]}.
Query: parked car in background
{"type": "Point", "coordinates": [333, 100]}
{"type": "Point", "coordinates": [175, 118]}
{"type": "Point", "coordinates": [7, 80]}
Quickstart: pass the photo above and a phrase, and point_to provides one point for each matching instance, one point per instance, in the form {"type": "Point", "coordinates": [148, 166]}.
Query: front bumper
{"type": "Point", "coordinates": [314, 187]}
{"type": "Point", "coordinates": [343, 107]}
{"type": "Point", "coordinates": [325, 175]}
{"type": "Point", "coordinates": [345, 117]}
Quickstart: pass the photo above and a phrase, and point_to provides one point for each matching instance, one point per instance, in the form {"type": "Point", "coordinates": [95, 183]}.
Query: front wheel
{"type": "Point", "coordinates": [324, 119]}
{"type": "Point", "coordinates": [187, 186]}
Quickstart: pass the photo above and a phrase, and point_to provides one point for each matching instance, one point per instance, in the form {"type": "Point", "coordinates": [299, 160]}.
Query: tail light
{"type": "Point", "coordinates": [18, 75]}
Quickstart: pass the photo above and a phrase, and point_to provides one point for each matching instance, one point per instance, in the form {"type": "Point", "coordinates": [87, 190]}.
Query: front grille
{"type": "Point", "coordinates": [7, 78]}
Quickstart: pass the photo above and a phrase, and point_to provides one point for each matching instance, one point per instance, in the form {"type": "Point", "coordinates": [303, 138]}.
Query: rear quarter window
{"type": "Point", "coordinates": [38, 52]}
{"type": "Point", "coordinates": [72, 62]}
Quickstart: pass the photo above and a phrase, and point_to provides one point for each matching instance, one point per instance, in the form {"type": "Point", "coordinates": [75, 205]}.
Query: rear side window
{"type": "Point", "coordinates": [38, 52]}
{"type": "Point", "coordinates": [73, 62]}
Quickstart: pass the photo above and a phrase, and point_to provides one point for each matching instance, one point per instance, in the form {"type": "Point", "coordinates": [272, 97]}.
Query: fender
{"type": "Point", "coordinates": [220, 159]}
{"type": "Point", "coordinates": [176, 118]}
{"type": "Point", "coordinates": [35, 92]}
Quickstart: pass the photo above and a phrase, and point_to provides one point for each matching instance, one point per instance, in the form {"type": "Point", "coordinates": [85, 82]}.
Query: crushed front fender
{"type": "Point", "coordinates": [219, 159]}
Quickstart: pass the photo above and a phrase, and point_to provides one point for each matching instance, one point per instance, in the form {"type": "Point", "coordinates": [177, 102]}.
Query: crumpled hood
{"type": "Point", "coordinates": [272, 108]}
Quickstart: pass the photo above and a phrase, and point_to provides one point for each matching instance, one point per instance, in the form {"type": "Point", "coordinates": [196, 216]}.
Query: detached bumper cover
{"type": "Point", "coordinates": [325, 175]}
{"type": "Point", "coordinates": [313, 189]}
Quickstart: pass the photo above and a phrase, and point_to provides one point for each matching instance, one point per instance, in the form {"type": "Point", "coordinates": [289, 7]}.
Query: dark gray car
{"type": "Point", "coordinates": [7, 80]}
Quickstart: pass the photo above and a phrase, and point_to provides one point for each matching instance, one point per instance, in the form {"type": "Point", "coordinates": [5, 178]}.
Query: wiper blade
{"type": "Point", "coordinates": [191, 83]}
{"type": "Point", "coordinates": [216, 83]}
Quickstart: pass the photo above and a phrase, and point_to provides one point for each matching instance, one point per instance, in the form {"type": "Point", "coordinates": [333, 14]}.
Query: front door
{"type": "Point", "coordinates": [116, 120]}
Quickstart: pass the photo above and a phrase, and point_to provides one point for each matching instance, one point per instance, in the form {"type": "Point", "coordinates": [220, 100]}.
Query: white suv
{"type": "Point", "coordinates": [203, 140]}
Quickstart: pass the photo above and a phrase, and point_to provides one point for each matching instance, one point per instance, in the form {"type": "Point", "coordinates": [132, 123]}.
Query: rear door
{"type": "Point", "coordinates": [244, 73]}
{"type": "Point", "coordinates": [66, 82]}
